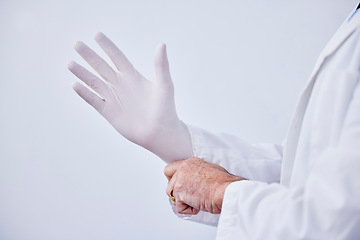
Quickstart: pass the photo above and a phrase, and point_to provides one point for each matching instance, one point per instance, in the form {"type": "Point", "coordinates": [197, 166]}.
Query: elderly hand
{"type": "Point", "coordinates": [142, 111]}
{"type": "Point", "coordinates": [197, 185]}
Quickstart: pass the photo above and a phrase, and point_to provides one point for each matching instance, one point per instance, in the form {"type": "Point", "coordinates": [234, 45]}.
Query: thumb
{"type": "Point", "coordinates": [162, 70]}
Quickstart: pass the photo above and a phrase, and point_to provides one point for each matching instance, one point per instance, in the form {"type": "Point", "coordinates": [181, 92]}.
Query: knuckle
{"type": "Point", "coordinates": [185, 164]}
{"type": "Point", "coordinates": [189, 163]}
{"type": "Point", "coordinates": [178, 188]}
{"type": "Point", "coordinates": [195, 160]}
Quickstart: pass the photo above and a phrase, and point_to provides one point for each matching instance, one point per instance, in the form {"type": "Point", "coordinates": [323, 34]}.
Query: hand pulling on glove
{"type": "Point", "coordinates": [142, 111]}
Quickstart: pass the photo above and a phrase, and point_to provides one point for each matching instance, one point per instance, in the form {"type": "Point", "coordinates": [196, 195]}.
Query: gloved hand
{"type": "Point", "coordinates": [142, 111]}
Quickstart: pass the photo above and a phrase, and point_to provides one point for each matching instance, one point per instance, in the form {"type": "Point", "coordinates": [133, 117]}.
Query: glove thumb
{"type": "Point", "coordinates": [162, 70]}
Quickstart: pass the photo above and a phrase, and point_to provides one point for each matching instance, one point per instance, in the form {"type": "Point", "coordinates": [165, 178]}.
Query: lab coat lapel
{"type": "Point", "coordinates": [346, 29]}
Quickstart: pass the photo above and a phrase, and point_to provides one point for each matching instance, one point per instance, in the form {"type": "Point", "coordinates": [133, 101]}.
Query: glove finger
{"type": "Point", "coordinates": [90, 79]}
{"type": "Point", "coordinates": [96, 62]}
{"type": "Point", "coordinates": [117, 57]}
{"type": "Point", "coordinates": [90, 97]}
{"type": "Point", "coordinates": [162, 69]}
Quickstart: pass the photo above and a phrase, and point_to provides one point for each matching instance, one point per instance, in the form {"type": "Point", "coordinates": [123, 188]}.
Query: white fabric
{"type": "Point", "coordinates": [318, 196]}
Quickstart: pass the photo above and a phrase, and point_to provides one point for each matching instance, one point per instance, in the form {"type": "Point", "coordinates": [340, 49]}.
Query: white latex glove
{"type": "Point", "coordinates": [142, 111]}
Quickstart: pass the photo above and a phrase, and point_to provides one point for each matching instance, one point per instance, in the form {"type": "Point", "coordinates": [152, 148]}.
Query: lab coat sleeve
{"type": "Point", "coordinates": [326, 206]}
{"type": "Point", "coordinates": [260, 162]}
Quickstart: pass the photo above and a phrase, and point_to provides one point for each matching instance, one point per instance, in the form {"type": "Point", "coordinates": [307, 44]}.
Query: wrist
{"type": "Point", "coordinates": [220, 192]}
{"type": "Point", "coordinates": [171, 142]}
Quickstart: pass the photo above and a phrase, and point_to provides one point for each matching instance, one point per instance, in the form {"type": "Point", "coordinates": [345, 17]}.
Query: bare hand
{"type": "Point", "coordinates": [197, 185]}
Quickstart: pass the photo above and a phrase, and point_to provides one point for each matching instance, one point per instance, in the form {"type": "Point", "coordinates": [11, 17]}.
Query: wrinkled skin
{"type": "Point", "coordinates": [197, 185]}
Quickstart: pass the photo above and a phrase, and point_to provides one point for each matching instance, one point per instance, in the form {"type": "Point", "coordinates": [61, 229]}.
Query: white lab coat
{"type": "Point", "coordinates": [309, 188]}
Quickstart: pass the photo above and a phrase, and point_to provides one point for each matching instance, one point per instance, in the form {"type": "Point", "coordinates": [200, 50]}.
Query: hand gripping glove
{"type": "Point", "coordinates": [142, 111]}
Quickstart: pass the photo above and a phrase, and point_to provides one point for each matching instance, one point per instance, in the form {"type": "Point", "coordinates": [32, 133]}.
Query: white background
{"type": "Point", "coordinates": [238, 67]}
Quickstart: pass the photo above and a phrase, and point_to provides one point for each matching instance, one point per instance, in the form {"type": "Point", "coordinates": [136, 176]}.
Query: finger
{"type": "Point", "coordinates": [117, 57]}
{"type": "Point", "coordinates": [183, 208]}
{"type": "Point", "coordinates": [171, 168]}
{"type": "Point", "coordinates": [96, 62]}
{"type": "Point", "coordinates": [90, 79]}
{"type": "Point", "coordinates": [170, 187]}
{"type": "Point", "coordinates": [161, 62]}
{"type": "Point", "coordinates": [90, 97]}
